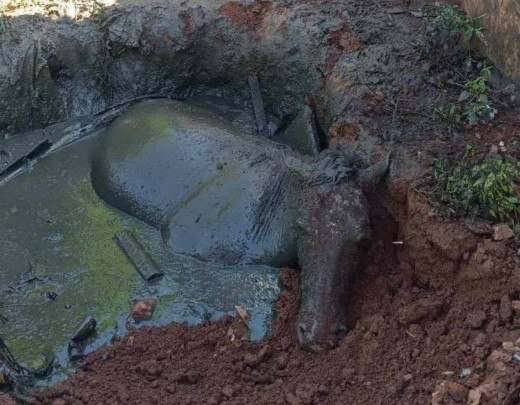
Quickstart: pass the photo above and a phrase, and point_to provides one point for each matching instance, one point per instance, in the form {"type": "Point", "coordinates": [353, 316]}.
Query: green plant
{"type": "Point", "coordinates": [453, 21]}
{"type": "Point", "coordinates": [486, 188]}
{"type": "Point", "coordinates": [449, 36]}
{"type": "Point", "coordinates": [474, 104]}
{"type": "Point", "coordinates": [478, 106]}
{"type": "Point", "coordinates": [451, 115]}
{"type": "Point", "coordinates": [479, 110]}
{"type": "Point", "coordinates": [479, 85]}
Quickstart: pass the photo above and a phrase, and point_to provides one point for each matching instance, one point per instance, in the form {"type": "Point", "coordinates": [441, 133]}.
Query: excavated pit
{"type": "Point", "coordinates": [232, 59]}
{"type": "Point", "coordinates": [353, 64]}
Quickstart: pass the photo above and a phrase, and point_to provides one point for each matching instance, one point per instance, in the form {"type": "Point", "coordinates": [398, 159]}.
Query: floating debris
{"type": "Point", "coordinates": [142, 262]}
{"type": "Point", "coordinates": [143, 309]}
{"type": "Point", "coordinates": [75, 351]}
{"type": "Point", "coordinates": [243, 314]}
{"type": "Point", "coordinates": [85, 329]}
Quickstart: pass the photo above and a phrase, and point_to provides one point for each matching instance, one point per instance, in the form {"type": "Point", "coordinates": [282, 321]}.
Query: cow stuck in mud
{"type": "Point", "coordinates": [225, 197]}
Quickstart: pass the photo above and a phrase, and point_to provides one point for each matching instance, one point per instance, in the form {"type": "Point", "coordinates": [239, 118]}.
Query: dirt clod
{"type": "Point", "coordinates": [457, 391]}
{"type": "Point", "coordinates": [502, 232]}
{"type": "Point", "coordinates": [476, 319]}
{"type": "Point", "coordinates": [505, 309]}
{"type": "Point", "coordinates": [143, 309]}
{"type": "Point", "coordinates": [423, 309]}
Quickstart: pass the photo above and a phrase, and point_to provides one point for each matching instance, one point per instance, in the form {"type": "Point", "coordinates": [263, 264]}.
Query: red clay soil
{"type": "Point", "coordinates": [431, 318]}
{"type": "Point", "coordinates": [249, 17]}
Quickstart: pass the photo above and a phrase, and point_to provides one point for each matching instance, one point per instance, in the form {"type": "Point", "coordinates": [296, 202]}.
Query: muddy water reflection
{"type": "Point", "coordinates": [60, 263]}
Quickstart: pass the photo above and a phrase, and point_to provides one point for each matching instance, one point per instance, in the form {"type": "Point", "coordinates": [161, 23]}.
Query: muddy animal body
{"type": "Point", "coordinates": [221, 196]}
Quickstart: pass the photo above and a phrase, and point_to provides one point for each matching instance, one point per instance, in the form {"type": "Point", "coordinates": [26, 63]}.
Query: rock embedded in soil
{"type": "Point", "coordinates": [515, 305]}
{"type": "Point", "coordinates": [505, 310]}
{"type": "Point", "coordinates": [476, 319]}
{"type": "Point", "coordinates": [150, 368]}
{"type": "Point", "coordinates": [424, 309]}
{"type": "Point", "coordinates": [457, 391]}
{"type": "Point", "coordinates": [497, 360]}
{"type": "Point", "coordinates": [502, 232]}
{"type": "Point", "coordinates": [188, 377]}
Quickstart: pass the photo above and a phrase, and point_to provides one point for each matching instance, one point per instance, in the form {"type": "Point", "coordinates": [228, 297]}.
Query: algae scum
{"type": "Point", "coordinates": [60, 263]}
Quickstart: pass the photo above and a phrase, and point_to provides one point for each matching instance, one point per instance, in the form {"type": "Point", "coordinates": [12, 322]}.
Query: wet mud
{"type": "Point", "coordinates": [413, 317]}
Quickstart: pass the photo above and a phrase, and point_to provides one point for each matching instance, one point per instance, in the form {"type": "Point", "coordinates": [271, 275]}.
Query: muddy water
{"type": "Point", "coordinates": [60, 263]}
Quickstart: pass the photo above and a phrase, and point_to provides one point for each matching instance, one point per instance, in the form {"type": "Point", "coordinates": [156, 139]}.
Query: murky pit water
{"type": "Point", "coordinates": [61, 263]}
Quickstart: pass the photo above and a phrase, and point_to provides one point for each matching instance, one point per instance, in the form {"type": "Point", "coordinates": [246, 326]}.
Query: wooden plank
{"type": "Point", "coordinates": [258, 106]}
{"type": "Point", "coordinates": [135, 252]}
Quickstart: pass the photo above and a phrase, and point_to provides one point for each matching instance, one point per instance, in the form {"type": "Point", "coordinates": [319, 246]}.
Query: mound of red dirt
{"type": "Point", "coordinates": [434, 319]}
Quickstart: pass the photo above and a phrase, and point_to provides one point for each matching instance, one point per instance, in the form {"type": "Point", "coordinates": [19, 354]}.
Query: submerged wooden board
{"type": "Point", "coordinates": [142, 262]}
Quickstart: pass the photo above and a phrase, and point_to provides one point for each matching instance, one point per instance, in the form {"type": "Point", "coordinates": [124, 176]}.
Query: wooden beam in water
{"type": "Point", "coordinates": [135, 252]}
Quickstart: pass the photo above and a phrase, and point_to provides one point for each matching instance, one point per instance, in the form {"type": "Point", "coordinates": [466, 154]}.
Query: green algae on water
{"type": "Point", "coordinates": [110, 280]}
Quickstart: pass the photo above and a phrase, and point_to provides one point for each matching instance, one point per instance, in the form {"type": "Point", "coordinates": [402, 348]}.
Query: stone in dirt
{"type": "Point", "coordinates": [150, 368]}
{"type": "Point", "coordinates": [143, 309]}
{"type": "Point", "coordinates": [515, 305]}
{"type": "Point", "coordinates": [498, 360]}
{"type": "Point", "coordinates": [449, 389]}
{"type": "Point", "coordinates": [505, 309]}
{"type": "Point", "coordinates": [457, 391]}
{"type": "Point", "coordinates": [424, 309]}
{"type": "Point", "coordinates": [510, 347]}
{"type": "Point", "coordinates": [188, 377]}
{"type": "Point", "coordinates": [502, 232]}
{"type": "Point", "coordinates": [483, 394]}
{"type": "Point", "coordinates": [476, 319]}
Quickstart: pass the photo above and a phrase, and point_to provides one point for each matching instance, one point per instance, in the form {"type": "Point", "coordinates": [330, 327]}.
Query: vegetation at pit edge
{"type": "Point", "coordinates": [448, 42]}
{"type": "Point", "coordinates": [450, 22]}
{"type": "Point", "coordinates": [484, 188]}
{"type": "Point", "coordinates": [473, 106]}
{"type": "Point", "coordinates": [487, 187]}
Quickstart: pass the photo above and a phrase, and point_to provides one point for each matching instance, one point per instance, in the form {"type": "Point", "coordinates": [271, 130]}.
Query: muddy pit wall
{"type": "Point", "coordinates": [445, 262]}
{"type": "Point", "coordinates": [502, 22]}
{"type": "Point", "coordinates": [54, 69]}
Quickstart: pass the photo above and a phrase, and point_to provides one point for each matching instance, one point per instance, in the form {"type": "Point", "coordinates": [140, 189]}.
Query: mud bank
{"type": "Point", "coordinates": [348, 56]}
